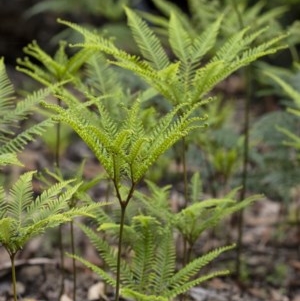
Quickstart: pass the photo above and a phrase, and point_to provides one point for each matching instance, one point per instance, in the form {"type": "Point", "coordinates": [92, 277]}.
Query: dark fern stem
{"type": "Point", "coordinates": [123, 206]}
{"type": "Point", "coordinates": [61, 247]}
{"type": "Point", "coordinates": [240, 214]}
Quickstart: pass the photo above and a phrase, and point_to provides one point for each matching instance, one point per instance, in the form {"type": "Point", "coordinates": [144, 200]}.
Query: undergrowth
{"type": "Point", "coordinates": [128, 127]}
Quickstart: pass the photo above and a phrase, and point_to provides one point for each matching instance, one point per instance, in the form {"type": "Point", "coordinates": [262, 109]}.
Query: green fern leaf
{"type": "Point", "coordinates": [8, 158]}
{"type": "Point", "coordinates": [20, 196]}
{"type": "Point", "coordinates": [203, 43]}
{"type": "Point", "coordinates": [132, 294]}
{"type": "Point", "coordinates": [147, 42]}
{"type": "Point", "coordinates": [179, 39]}
{"type": "Point", "coordinates": [18, 143]}
{"type": "Point", "coordinates": [104, 275]}
{"type": "Point", "coordinates": [163, 265]}
{"type": "Point", "coordinates": [109, 255]}
{"type": "Point", "coordinates": [188, 285]}
{"type": "Point", "coordinates": [183, 275]}
{"type": "Point", "coordinates": [6, 90]}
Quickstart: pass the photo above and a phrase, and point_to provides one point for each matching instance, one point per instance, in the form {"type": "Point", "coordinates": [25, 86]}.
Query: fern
{"type": "Point", "coordinates": [126, 149]}
{"type": "Point", "coordinates": [59, 68]}
{"type": "Point", "coordinates": [150, 272]}
{"type": "Point", "coordinates": [206, 214]}
{"type": "Point", "coordinates": [26, 217]}
{"type": "Point", "coordinates": [183, 85]}
{"type": "Point", "coordinates": [11, 141]}
{"type": "Point", "coordinates": [294, 139]}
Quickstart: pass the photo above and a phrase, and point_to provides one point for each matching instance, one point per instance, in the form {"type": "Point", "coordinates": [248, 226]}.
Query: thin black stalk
{"type": "Point", "coordinates": [185, 178]}
{"type": "Point", "coordinates": [13, 274]}
{"type": "Point", "coordinates": [73, 260]}
{"type": "Point", "coordinates": [123, 206]}
{"type": "Point", "coordinates": [248, 78]}
{"type": "Point", "coordinates": [186, 196]}
{"type": "Point", "coordinates": [61, 247]}
{"type": "Point", "coordinates": [118, 280]}
{"type": "Point", "coordinates": [244, 172]}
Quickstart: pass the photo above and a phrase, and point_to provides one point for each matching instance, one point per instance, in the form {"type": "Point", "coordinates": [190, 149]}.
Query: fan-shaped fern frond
{"type": "Point", "coordinates": [188, 81]}
{"type": "Point", "coordinates": [126, 148]}
{"type": "Point", "coordinates": [25, 217]}
{"type": "Point", "coordinates": [12, 140]}
{"type": "Point", "coordinates": [150, 271]}
{"type": "Point", "coordinates": [57, 68]}
{"type": "Point", "coordinates": [203, 215]}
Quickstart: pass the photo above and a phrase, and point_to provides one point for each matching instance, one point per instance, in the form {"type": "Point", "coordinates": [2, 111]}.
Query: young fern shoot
{"type": "Point", "coordinates": [22, 217]}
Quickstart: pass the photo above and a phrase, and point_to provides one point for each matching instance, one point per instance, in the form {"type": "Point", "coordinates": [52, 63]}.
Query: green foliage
{"type": "Point", "coordinates": [23, 217]}
{"type": "Point", "coordinates": [277, 134]}
{"type": "Point", "coordinates": [127, 135]}
{"type": "Point", "coordinates": [294, 139]}
{"type": "Point", "coordinates": [275, 165]}
{"type": "Point", "coordinates": [56, 69]}
{"type": "Point", "coordinates": [203, 12]}
{"type": "Point", "coordinates": [12, 140]}
{"type": "Point", "coordinates": [150, 272]}
{"type": "Point", "coordinates": [125, 146]}
{"type": "Point", "coordinates": [199, 215]}
{"type": "Point", "coordinates": [186, 79]}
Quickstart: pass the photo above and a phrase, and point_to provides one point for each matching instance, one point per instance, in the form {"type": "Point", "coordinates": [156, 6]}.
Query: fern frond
{"type": "Point", "coordinates": [24, 107]}
{"type": "Point", "coordinates": [163, 265]}
{"type": "Point", "coordinates": [232, 46]}
{"type": "Point", "coordinates": [203, 43]}
{"type": "Point", "coordinates": [102, 77]}
{"type": "Point", "coordinates": [183, 275]}
{"type": "Point", "coordinates": [179, 39]}
{"type": "Point", "coordinates": [104, 275]}
{"type": "Point", "coordinates": [8, 232]}
{"type": "Point", "coordinates": [3, 203]}
{"type": "Point", "coordinates": [195, 187]}
{"type": "Point", "coordinates": [171, 132]}
{"type": "Point", "coordinates": [18, 143]}
{"type": "Point", "coordinates": [35, 51]}
{"type": "Point", "coordinates": [8, 158]}
{"type": "Point", "coordinates": [144, 248]}
{"type": "Point", "coordinates": [149, 45]}
{"type": "Point", "coordinates": [6, 90]}
{"type": "Point", "coordinates": [188, 285]}
{"type": "Point", "coordinates": [132, 294]}
{"type": "Point", "coordinates": [20, 197]}
{"type": "Point", "coordinates": [288, 89]}
{"type": "Point", "coordinates": [167, 7]}
{"type": "Point", "coordinates": [96, 139]}
{"type": "Point", "coordinates": [48, 203]}
{"type": "Point", "coordinates": [109, 255]}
